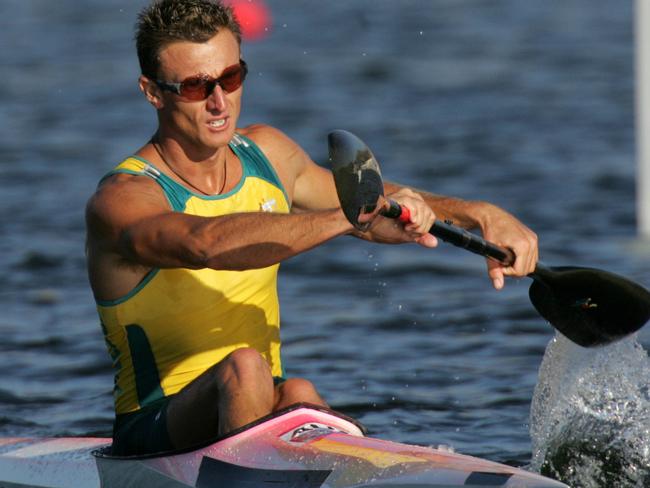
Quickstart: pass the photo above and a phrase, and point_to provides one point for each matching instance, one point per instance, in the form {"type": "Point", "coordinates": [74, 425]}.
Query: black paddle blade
{"type": "Point", "coordinates": [590, 306]}
{"type": "Point", "coordinates": [357, 176]}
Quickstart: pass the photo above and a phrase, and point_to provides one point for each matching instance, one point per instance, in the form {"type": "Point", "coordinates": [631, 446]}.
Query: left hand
{"type": "Point", "coordinates": [505, 230]}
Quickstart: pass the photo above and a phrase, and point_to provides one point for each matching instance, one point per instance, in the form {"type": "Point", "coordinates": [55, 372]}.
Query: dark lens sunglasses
{"type": "Point", "coordinates": [200, 87]}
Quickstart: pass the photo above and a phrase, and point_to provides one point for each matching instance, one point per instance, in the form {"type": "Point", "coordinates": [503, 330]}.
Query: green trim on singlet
{"type": "Point", "coordinates": [254, 164]}
{"type": "Point", "coordinates": [147, 278]}
{"type": "Point", "coordinates": [177, 195]}
{"type": "Point", "coordinates": [147, 378]}
{"type": "Point", "coordinates": [259, 166]}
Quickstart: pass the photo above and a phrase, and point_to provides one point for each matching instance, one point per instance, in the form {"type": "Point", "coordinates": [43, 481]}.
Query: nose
{"type": "Point", "coordinates": [217, 99]}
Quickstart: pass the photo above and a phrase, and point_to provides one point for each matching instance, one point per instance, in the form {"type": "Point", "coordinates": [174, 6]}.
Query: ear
{"type": "Point", "coordinates": [151, 91]}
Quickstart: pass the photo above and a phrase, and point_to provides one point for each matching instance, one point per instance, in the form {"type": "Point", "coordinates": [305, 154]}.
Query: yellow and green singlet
{"type": "Point", "coordinates": [179, 322]}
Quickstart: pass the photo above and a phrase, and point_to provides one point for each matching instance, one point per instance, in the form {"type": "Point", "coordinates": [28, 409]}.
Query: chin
{"type": "Point", "coordinates": [218, 139]}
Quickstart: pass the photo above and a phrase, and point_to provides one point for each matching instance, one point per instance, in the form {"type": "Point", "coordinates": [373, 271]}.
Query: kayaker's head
{"type": "Point", "coordinates": [166, 21]}
{"type": "Point", "coordinates": [189, 54]}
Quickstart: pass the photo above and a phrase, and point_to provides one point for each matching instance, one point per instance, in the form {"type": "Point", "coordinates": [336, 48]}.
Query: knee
{"type": "Point", "coordinates": [246, 367]}
{"type": "Point", "coordinates": [297, 390]}
{"type": "Point", "coordinates": [298, 387]}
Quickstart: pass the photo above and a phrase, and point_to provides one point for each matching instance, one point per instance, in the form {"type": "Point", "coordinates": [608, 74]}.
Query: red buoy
{"type": "Point", "coordinates": [253, 16]}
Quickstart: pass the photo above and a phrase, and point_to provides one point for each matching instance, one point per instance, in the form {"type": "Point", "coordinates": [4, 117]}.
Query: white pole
{"type": "Point", "coordinates": [642, 34]}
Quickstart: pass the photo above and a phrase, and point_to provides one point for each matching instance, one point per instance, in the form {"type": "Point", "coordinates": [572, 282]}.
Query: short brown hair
{"type": "Point", "coordinates": [167, 21]}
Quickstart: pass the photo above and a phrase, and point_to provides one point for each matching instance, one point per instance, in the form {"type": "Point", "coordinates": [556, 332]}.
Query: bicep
{"type": "Point", "coordinates": [309, 186]}
{"type": "Point", "coordinates": [314, 188]}
{"type": "Point", "coordinates": [134, 222]}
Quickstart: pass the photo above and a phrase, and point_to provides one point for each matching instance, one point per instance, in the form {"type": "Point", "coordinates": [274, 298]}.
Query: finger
{"type": "Point", "coordinates": [427, 240]}
{"type": "Point", "coordinates": [526, 257]}
{"type": "Point", "coordinates": [518, 268]}
{"type": "Point", "coordinates": [417, 228]}
{"type": "Point", "coordinates": [422, 222]}
{"type": "Point", "coordinates": [530, 262]}
{"type": "Point", "coordinates": [412, 214]}
{"type": "Point", "coordinates": [535, 254]}
{"type": "Point", "coordinates": [418, 223]}
{"type": "Point", "coordinates": [528, 253]}
{"type": "Point", "coordinates": [496, 274]}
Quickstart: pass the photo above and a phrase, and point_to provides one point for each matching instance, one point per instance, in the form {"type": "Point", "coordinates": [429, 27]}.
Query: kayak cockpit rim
{"type": "Point", "coordinates": [105, 452]}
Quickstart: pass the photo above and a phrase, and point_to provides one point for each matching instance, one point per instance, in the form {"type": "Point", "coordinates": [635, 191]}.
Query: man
{"type": "Point", "coordinates": [186, 236]}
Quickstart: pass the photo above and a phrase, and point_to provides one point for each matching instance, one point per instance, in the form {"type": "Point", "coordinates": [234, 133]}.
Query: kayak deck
{"type": "Point", "coordinates": [300, 447]}
{"type": "Point", "coordinates": [49, 462]}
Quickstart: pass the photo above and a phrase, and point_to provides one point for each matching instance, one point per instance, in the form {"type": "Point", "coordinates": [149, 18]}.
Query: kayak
{"type": "Point", "coordinates": [302, 446]}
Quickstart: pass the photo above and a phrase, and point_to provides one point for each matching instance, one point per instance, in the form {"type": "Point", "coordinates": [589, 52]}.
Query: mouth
{"type": "Point", "coordinates": [217, 123]}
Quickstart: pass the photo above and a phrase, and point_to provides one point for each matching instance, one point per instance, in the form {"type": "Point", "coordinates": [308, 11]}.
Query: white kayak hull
{"type": "Point", "coordinates": [301, 447]}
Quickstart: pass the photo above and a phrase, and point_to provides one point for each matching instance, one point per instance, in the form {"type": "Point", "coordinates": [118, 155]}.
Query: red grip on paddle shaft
{"type": "Point", "coordinates": [405, 215]}
{"type": "Point", "coordinates": [455, 235]}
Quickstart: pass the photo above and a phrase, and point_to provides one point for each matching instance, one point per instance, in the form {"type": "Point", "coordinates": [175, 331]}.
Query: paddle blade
{"type": "Point", "coordinates": [590, 306]}
{"type": "Point", "coordinates": [356, 174]}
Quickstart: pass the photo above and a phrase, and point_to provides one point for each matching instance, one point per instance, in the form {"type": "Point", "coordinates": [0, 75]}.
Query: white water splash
{"type": "Point", "coordinates": [590, 416]}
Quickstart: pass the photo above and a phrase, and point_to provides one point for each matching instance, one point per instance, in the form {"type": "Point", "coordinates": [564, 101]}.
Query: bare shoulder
{"type": "Point", "coordinates": [266, 135]}
{"type": "Point", "coordinates": [273, 142]}
{"type": "Point", "coordinates": [310, 186]}
{"type": "Point", "coordinates": [121, 200]}
{"type": "Point", "coordinates": [285, 155]}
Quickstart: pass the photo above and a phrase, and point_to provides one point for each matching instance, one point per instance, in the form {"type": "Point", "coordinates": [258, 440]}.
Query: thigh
{"type": "Point", "coordinates": [193, 413]}
{"type": "Point", "coordinates": [228, 395]}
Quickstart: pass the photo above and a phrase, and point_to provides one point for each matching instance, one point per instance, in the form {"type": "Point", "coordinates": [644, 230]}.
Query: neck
{"type": "Point", "coordinates": [208, 176]}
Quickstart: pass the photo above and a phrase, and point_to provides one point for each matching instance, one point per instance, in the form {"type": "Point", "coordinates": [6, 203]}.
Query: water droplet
{"type": "Point", "coordinates": [589, 412]}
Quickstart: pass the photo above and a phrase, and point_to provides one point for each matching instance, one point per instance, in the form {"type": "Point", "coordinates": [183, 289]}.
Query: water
{"type": "Point", "coordinates": [590, 418]}
{"type": "Point", "coordinates": [525, 104]}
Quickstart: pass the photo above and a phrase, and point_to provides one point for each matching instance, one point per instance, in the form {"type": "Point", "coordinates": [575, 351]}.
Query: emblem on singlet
{"type": "Point", "coordinates": [268, 205]}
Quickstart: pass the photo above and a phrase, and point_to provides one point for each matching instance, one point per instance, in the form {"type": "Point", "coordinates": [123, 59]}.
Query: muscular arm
{"type": "Point", "coordinates": [232, 242]}
{"type": "Point", "coordinates": [314, 188]}
{"type": "Point", "coordinates": [463, 213]}
{"type": "Point", "coordinates": [495, 224]}
{"type": "Point", "coordinates": [131, 230]}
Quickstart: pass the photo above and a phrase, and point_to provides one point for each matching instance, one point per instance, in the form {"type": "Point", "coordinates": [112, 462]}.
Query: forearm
{"type": "Point", "coordinates": [231, 242]}
{"type": "Point", "coordinates": [496, 225]}
{"type": "Point", "coordinates": [463, 213]}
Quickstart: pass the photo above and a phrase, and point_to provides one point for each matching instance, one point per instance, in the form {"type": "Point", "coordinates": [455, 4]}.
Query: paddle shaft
{"type": "Point", "coordinates": [589, 306]}
{"type": "Point", "coordinates": [456, 235]}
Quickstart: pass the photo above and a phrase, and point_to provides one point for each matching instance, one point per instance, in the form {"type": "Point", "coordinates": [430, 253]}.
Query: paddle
{"type": "Point", "coordinates": [589, 306]}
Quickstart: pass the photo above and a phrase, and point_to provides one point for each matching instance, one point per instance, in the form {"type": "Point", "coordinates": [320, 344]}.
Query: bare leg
{"type": "Point", "coordinates": [227, 396]}
{"type": "Point", "coordinates": [296, 390]}
{"type": "Point", "coordinates": [231, 394]}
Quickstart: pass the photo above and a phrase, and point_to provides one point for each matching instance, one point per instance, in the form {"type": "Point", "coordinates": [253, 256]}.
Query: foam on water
{"type": "Point", "coordinates": [590, 416]}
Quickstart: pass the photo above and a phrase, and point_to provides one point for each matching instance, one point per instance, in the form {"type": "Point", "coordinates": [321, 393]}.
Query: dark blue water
{"type": "Point", "coordinates": [529, 105]}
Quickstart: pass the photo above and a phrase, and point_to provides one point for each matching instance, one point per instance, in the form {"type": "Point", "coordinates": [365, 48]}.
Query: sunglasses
{"type": "Point", "coordinates": [196, 88]}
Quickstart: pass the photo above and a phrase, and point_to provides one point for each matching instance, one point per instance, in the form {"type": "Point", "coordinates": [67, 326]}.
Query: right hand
{"type": "Point", "coordinates": [393, 231]}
